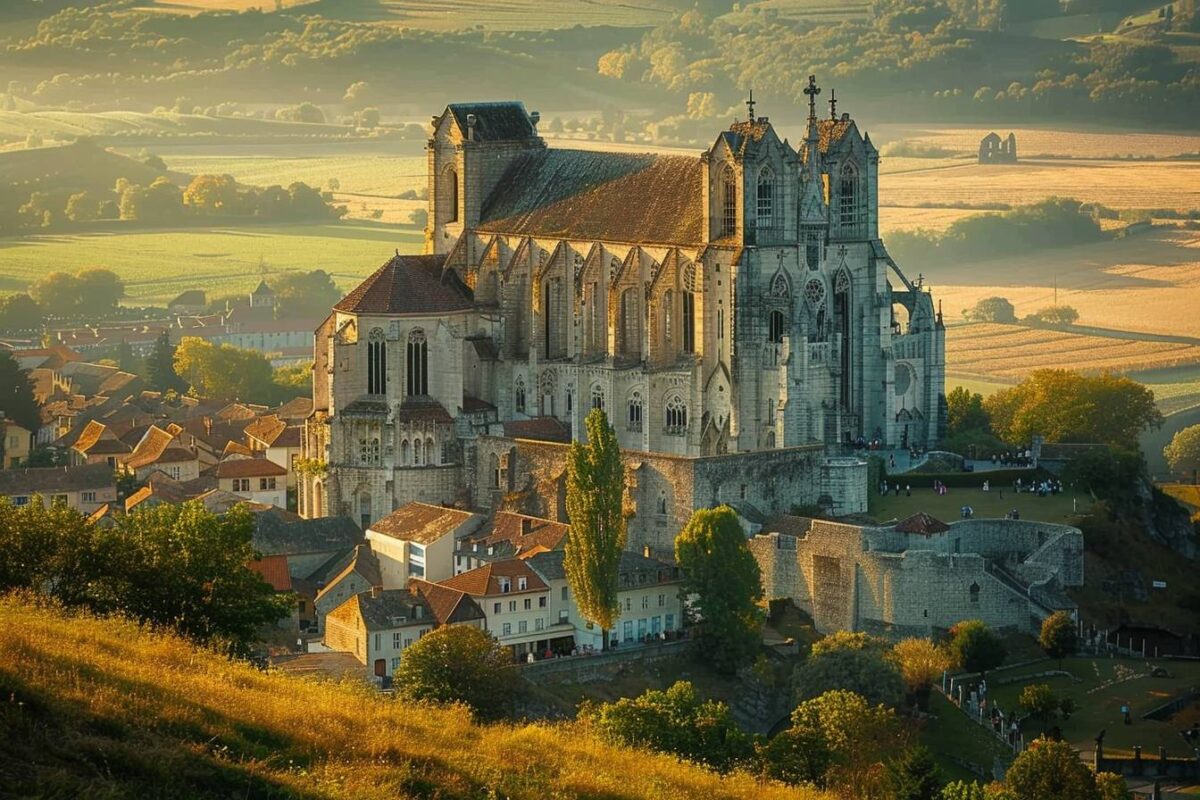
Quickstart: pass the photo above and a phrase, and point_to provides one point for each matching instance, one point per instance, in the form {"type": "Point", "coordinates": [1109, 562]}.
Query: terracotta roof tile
{"type": "Point", "coordinates": [449, 605]}
{"type": "Point", "coordinates": [547, 429]}
{"type": "Point", "coordinates": [247, 468]}
{"type": "Point", "coordinates": [48, 480]}
{"type": "Point", "coordinates": [581, 194]}
{"type": "Point", "coordinates": [409, 285]}
{"type": "Point", "coordinates": [485, 580]}
{"type": "Point", "coordinates": [922, 523]}
{"type": "Point", "coordinates": [420, 522]}
{"type": "Point", "coordinates": [274, 570]}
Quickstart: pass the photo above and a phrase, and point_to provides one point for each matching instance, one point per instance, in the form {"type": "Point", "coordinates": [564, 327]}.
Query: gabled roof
{"type": "Point", "coordinates": [50, 480]}
{"type": "Point", "coordinates": [246, 468]}
{"type": "Point", "coordinates": [494, 122]}
{"type": "Point", "coordinates": [240, 411]}
{"type": "Point", "coordinates": [546, 429]}
{"type": "Point", "coordinates": [485, 581]}
{"type": "Point", "coordinates": [157, 446]}
{"type": "Point", "coordinates": [423, 411]}
{"type": "Point", "coordinates": [583, 194]}
{"type": "Point", "coordinates": [331, 535]}
{"type": "Point", "coordinates": [516, 534]}
{"type": "Point", "coordinates": [362, 563]}
{"type": "Point", "coordinates": [922, 523]}
{"type": "Point", "coordinates": [409, 285]}
{"type": "Point", "coordinates": [420, 522]}
{"type": "Point", "coordinates": [266, 429]}
{"type": "Point", "coordinates": [386, 610]}
{"type": "Point", "coordinates": [449, 606]}
{"type": "Point", "coordinates": [296, 409]}
{"type": "Point", "coordinates": [263, 290]}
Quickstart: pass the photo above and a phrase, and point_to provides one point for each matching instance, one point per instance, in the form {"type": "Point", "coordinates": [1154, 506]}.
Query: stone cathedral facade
{"type": "Point", "coordinates": [735, 313]}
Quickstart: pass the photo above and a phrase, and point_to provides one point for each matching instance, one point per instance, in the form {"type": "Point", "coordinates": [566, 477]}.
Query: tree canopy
{"type": "Point", "coordinates": [974, 647]}
{"type": "Point", "coordinates": [20, 312]}
{"type": "Point", "coordinates": [16, 393]}
{"type": "Point", "coordinates": [858, 736]}
{"type": "Point", "coordinates": [223, 372]}
{"type": "Point", "coordinates": [1051, 769]}
{"type": "Point", "coordinates": [921, 662]}
{"type": "Point", "coordinates": [595, 498]}
{"type": "Point", "coordinates": [1066, 406]}
{"type": "Point", "coordinates": [852, 662]}
{"type": "Point", "coordinates": [89, 291]}
{"type": "Point", "coordinates": [1183, 453]}
{"type": "Point", "coordinates": [673, 721]}
{"type": "Point", "coordinates": [458, 664]}
{"type": "Point", "coordinates": [305, 293]}
{"type": "Point", "coordinates": [722, 575]}
{"type": "Point", "coordinates": [1059, 636]}
{"type": "Point", "coordinates": [991, 309]}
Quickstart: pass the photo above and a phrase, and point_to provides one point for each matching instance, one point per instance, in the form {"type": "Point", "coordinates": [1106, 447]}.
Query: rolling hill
{"type": "Point", "coordinates": [102, 708]}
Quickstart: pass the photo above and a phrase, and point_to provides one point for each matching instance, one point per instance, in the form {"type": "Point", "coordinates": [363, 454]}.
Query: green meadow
{"type": "Point", "coordinates": [157, 265]}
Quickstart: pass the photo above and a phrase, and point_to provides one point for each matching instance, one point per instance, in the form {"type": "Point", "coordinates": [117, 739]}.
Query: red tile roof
{"type": "Point", "coordinates": [547, 429]}
{"type": "Point", "coordinates": [274, 570]}
{"type": "Point", "coordinates": [447, 604]}
{"type": "Point", "coordinates": [922, 523]}
{"type": "Point", "coordinates": [485, 580]}
{"type": "Point", "coordinates": [409, 285]}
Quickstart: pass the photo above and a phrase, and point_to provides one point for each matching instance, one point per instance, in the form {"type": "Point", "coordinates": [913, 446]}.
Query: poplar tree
{"type": "Point", "coordinates": [595, 493]}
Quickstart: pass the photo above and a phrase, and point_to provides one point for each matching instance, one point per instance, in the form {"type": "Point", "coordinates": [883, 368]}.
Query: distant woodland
{"type": "Point", "coordinates": [933, 59]}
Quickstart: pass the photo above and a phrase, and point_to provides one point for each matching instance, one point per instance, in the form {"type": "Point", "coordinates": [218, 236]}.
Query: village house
{"type": "Point", "coordinates": [516, 602]}
{"type": "Point", "coordinates": [256, 479]}
{"type": "Point", "coordinates": [510, 535]}
{"type": "Point", "coordinates": [160, 450]}
{"type": "Point", "coordinates": [84, 488]}
{"type": "Point", "coordinates": [355, 575]}
{"type": "Point", "coordinates": [418, 540]}
{"type": "Point", "coordinates": [278, 441]}
{"type": "Point", "coordinates": [18, 443]}
{"type": "Point", "coordinates": [648, 593]}
{"type": "Point", "coordinates": [379, 625]}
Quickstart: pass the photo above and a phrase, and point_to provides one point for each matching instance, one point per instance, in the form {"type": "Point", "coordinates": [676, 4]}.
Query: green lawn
{"type": "Point", "coordinates": [1102, 709]}
{"type": "Point", "coordinates": [158, 264]}
{"type": "Point", "coordinates": [947, 507]}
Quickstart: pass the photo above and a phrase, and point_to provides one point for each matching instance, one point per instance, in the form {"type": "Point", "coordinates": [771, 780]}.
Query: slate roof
{"type": "Point", "coordinates": [550, 566]}
{"type": "Point", "coordinates": [273, 535]}
{"type": "Point", "coordinates": [409, 285]}
{"type": "Point", "coordinates": [297, 409]}
{"type": "Point", "coordinates": [50, 480]}
{"type": "Point", "coordinates": [263, 290]}
{"type": "Point", "coordinates": [922, 523]}
{"type": "Point", "coordinates": [546, 429]}
{"type": "Point", "coordinates": [423, 412]}
{"type": "Point", "coordinates": [391, 608]}
{"type": "Point", "coordinates": [494, 122]}
{"type": "Point", "coordinates": [420, 522]}
{"type": "Point", "coordinates": [485, 580]}
{"type": "Point", "coordinates": [448, 605]}
{"type": "Point", "coordinates": [788, 525]}
{"type": "Point", "coordinates": [583, 194]}
{"type": "Point", "coordinates": [361, 562]}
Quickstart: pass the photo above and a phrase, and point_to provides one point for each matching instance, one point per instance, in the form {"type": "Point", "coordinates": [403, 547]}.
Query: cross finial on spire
{"type": "Point", "coordinates": [812, 90]}
{"type": "Point", "coordinates": [750, 106]}
{"type": "Point", "coordinates": [833, 104]}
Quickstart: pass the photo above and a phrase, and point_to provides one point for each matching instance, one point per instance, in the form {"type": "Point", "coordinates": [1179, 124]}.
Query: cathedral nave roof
{"type": "Point", "coordinates": [583, 194]}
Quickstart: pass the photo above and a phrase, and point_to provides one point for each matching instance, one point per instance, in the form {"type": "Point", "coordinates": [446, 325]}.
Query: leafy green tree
{"type": "Point", "coordinates": [1039, 700]}
{"type": "Point", "coordinates": [125, 358]}
{"type": "Point", "coordinates": [100, 290]}
{"type": "Point", "coordinates": [132, 204]}
{"type": "Point", "coordinates": [160, 367]}
{"type": "Point", "coordinates": [921, 663]}
{"type": "Point", "coordinates": [964, 411]}
{"type": "Point", "coordinates": [595, 506]}
{"type": "Point", "coordinates": [1059, 636]}
{"type": "Point", "coordinates": [1112, 786]}
{"type": "Point", "coordinates": [1065, 406]}
{"type": "Point", "coordinates": [915, 775]}
{"type": "Point", "coordinates": [164, 201]}
{"type": "Point", "coordinates": [305, 293]}
{"type": "Point", "coordinates": [1050, 769]}
{"type": "Point", "coordinates": [796, 756]}
{"type": "Point", "coordinates": [224, 372]}
{"type": "Point", "coordinates": [46, 547]}
{"type": "Point", "coordinates": [83, 207]}
{"type": "Point", "coordinates": [964, 790]}
{"type": "Point", "coordinates": [974, 647]}
{"type": "Point", "coordinates": [1183, 453]}
{"type": "Point", "coordinates": [58, 293]}
{"type": "Point", "coordinates": [852, 662]}
{"type": "Point", "coordinates": [212, 194]}
{"type": "Point", "coordinates": [20, 312]}
{"type": "Point", "coordinates": [859, 737]}
{"type": "Point", "coordinates": [1112, 475]}
{"type": "Point", "coordinates": [722, 576]}
{"type": "Point", "coordinates": [1054, 315]}
{"type": "Point", "coordinates": [16, 393]}
{"type": "Point", "coordinates": [459, 664]}
{"type": "Point", "coordinates": [674, 721]}
{"type": "Point", "coordinates": [992, 309]}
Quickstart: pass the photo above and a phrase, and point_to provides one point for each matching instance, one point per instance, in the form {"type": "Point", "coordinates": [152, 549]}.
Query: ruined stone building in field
{"type": "Point", "coordinates": [734, 312]}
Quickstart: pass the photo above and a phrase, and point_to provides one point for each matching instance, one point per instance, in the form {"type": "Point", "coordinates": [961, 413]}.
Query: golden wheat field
{"type": "Point", "coordinates": [1117, 184]}
{"type": "Point", "coordinates": [897, 218]}
{"type": "Point", "coordinates": [1011, 351]}
{"type": "Point", "coordinates": [1033, 142]}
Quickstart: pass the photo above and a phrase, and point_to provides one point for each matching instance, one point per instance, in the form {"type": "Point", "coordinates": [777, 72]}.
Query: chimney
{"type": "Point", "coordinates": [376, 591]}
{"type": "Point", "coordinates": [526, 525]}
{"type": "Point", "coordinates": [534, 118]}
{"type": "Point", "coordinates": [470, 127]}
{"type": "Point", "coordinates": [208, 425]}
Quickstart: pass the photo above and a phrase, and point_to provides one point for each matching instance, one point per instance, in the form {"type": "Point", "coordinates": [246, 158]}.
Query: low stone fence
{"type": "Point", "coordinates": [600, 666]}
{"type": "Point", "coordinates": [1137, 766]}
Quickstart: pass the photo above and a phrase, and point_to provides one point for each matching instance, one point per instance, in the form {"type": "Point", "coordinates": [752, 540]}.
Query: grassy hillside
{"type": "Point", "coordinates": [102, 709]}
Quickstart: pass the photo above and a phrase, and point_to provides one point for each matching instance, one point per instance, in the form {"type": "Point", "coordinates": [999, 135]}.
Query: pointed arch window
{"type": "Point", "coordinates": [775, 327]}
{"type": "Point", "coordinates": [635, 412]}
{"type": "Point", "coordinates": [728, 202]}
{"type": "Point", "coordinates": [676, 417]}
{"type": "Point", "coordinates": [519, 394]}
{"type": "Point", "coordinates": [376, 362]}
{"type": "Point", "coordinates": [668, 308]}
{"type": "Point", "coordinates": [418, 364]}
{"type": "Point", "coordinates": [597, 396]}
{"type": "Point", "coordinates": [450, 177]}
{"type": "Point", "coordinates": [688, 345]}
{"type": "Point", "coordinates": [631, 324]}
{"type": "Point", "coordinates": [765, 207]}
{"type": "Point", "coordinates": [849, 198]}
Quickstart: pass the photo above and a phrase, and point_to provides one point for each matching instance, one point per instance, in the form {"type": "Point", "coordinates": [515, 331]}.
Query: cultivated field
{"type": "Point", "coordinates": [1035, 142]}
{"type": "Point", "coordinates": [368, 173]}
{"type": "Point", "coordinates": [157, 265]}
{"type": "Point", "coordinates": [1011, 351]}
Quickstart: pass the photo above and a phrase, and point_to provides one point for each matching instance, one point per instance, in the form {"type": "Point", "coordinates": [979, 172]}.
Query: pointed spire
{"type": "Point", "coordinates": [812, 90]}
{"type": "Point", "coordinates": [833, 104]}
{"type": "Point", "coordinates": [750, 106]}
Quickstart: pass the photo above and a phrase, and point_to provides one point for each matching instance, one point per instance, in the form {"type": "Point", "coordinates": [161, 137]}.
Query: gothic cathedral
{"type": "Point", "coordinates": [737, 302]}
